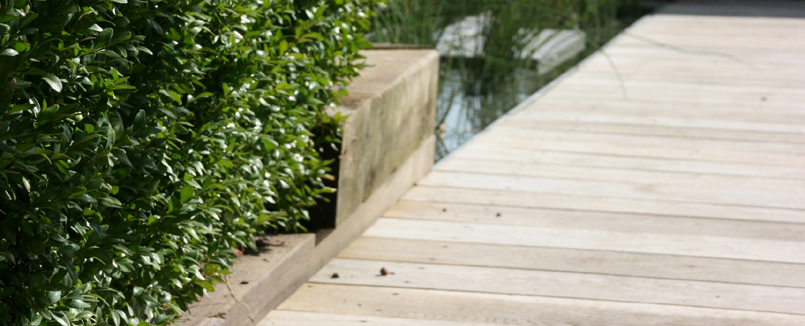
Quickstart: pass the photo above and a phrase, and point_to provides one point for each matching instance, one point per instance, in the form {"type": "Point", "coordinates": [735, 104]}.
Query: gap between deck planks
{"type": "Point", "coordinates": [669, 192]}
{"type": "Point", "coordinates": [419, 307]}
{"type": "Point", "coordinates": [564, 285]}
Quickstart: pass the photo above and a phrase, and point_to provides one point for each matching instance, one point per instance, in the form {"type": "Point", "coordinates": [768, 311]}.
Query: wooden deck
{"type": "Point", "coordinates": [675, 196]}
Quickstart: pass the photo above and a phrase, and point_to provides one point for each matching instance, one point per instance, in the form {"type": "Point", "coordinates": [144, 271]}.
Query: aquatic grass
{"type": "Point", "coordinates": [474, 92]}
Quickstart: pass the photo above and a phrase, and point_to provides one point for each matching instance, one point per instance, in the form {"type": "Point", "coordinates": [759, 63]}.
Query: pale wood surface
{"type": "Point", "coordinates": [472, 307]}
{"type": "Point", "coordinates": [669, 193]}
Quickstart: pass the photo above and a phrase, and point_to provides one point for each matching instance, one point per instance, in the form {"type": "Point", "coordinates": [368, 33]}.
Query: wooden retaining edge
{"type": "Point", "coordinates": [274, 275]}
{"type": "Point", "coordinates": [260, 283]}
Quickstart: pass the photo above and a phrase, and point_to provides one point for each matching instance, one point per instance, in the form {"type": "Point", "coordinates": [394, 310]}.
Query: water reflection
{"type": "Point", "coordinates": [471, 97]}
{"type": "Point", "coordinates": [491, 68]}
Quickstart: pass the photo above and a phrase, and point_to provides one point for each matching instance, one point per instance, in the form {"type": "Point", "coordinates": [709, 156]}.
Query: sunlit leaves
{"type": "Point", "coordinates": [140, 141]}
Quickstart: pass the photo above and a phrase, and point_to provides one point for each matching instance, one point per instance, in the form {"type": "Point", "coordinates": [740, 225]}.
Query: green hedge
{"type": "Point", "coordinates": [141, 140]}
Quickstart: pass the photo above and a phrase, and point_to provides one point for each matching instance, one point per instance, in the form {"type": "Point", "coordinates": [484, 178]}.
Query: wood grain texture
{"type": "Point", "coordinates": [646, 146]}
{"type": "Point", "coordinates": [618, 188]}
{"type": "Point", "coordinates": [592, 239]}
{"type": "Point", "coordinates": [668, 190]}
{"type": "Point", "coordinates": [685, 180]}
{"type": "Point", "coordinates": [594, 220]}
{"type": "Point", "coordinates": [467, 307]}
{"type": "Point", "coordinates": [564, 285]}
{"type": "Point", "coordinates": [479, 150]}
{"type": "Point", "coordinates": [601, 203]}
{"type": "Point", "coordinates": [708, 122]}
{"type": "Point", "coordinates": [597, 123]}
{"type": "Point", "coordinates": [297, 318]}
{"type": "Point", "coordinates": [575, 260]}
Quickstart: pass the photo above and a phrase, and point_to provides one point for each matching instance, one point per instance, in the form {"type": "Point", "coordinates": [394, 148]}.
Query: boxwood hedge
{"type": "Point", "coordinates": [142, 140]}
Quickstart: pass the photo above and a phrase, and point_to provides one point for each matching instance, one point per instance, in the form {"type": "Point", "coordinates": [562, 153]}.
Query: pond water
{"type": "Point", "coordinates": [492, 73]}
{"type": "Point", "coordinates": [467, 104]}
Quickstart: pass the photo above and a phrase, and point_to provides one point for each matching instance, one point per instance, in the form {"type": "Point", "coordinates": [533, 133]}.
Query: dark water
{"type": "Point", "coordinates": [474, 92]}
{"type": "Point", "coordinates": [469, 101]}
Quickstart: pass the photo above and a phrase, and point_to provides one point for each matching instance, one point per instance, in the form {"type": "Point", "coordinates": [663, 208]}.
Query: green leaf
{"type": "Point", "coordinates": [225, 163]}
{"type": "Point", "coordinates": [26, 184]}
{"type": "Point", "coordinates": [9, 53]}
{"type": "Point", "coordinates": [36, 320]}
{"type": "Point", "coordinates": [269, 144]}
{"type": "Point", "coordinates": [60, 318]}
{"type": "Point", "coordinates": [138, 291]}
{"type": "Point", "coordinates": [186, 193]}
{"type": "Point", "coordinates": [86, 198]}
{"type": "Point", "coordinates": [95, 28]}
{"type": "Point", "coordinates": [314, 35]}
{"type": "Point", "coordinates": [53, 81]}
{"type": "Point", "coordinates": [104, 37]}
{"type": "Point", "coordinates": [79, 304]}
{"type": "Point", "coordinates": [53, 296]}
{"type": "Point", "coordinates": [139, 120]}
{"type": "Point", "coordinates": [176, 97]}
{"type": "Point", "coordinates": [116, 317]}
{"type": "Point", "coordinates": [111, 202]}
{"type": "Point", "coordinates": [121, 155]}
{"type": "Point", "coordinates": [162, 319]}
{"type": "Point", "coordinates": [69, 250]}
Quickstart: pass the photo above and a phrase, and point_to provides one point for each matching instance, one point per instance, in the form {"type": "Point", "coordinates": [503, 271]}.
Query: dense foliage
{"type": "Point", "coordinates": [141, 140]}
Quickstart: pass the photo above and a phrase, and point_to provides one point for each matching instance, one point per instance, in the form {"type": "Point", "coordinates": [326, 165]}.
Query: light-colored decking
{"type": "Point", "coordinates": [677, 200]}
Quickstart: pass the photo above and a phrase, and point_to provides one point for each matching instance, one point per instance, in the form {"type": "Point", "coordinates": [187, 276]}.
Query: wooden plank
{"type": "Point", "coordinates": [592, 239]}
{"type": "Point", "coordinates": [745, 111]}
{"type": "Point", "coordinates": [707, 121]}
{"type": "Point", "coordinates": [702, 69]}
{"type": "Point", "coordinates": [742, 116]}
{"type": "Point", "coordinates": [728, 21]}
{"type": "Point", "coordinates": [602, 221]}
{"type": "Point", "coordinates": [565, 285]}
{"type": "Point", "coordinates": [609, 86]}
{"type": "Point", "coordinates": [463, 307]}
{"type": "Point", "coordinates": [656, 147]}
{"type": "Point", "coordinates": [602, 204]}
{"type": "Point", "coordinates": [646, 190]}
{"type": "Point", "coordinates": [735, 78]}
{"type": "Point", "coordinates": [668, 29]}
{"type": "Point", "coordinates": [704, 73]}
{"type": "Point", "coordinates": [493, 165]}
{"type": "Point", "coordinates": [708, 42]}
{"type": "Point", "coordinates": [736, 146]}
{"type": "Point", "coordinates": [644, 140]}
{"type": "Point", "coordinates": [298, 318]}
{"type": "Point", "coordinates": [575, 260]}
{"type": "Point", "coordinates": [600, 84]}
{"type": "Point", "coordinates": [645, 126]}
{"type": "Point", "coordinates": [478, 150]}
{"type": "Point", "coordinates": [755, 56]}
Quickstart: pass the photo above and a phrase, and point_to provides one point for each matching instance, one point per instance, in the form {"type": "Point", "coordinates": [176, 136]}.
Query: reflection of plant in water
{"type": "Point", "coordinates": [474, 91]}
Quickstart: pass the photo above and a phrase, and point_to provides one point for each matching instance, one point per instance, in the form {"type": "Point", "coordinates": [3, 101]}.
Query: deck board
{"type": "Point", "coordinates": [668, 192]}
{"type": "Point", "coordinates": [578, 260]}
{"type": "Point", "coordinates": [564, 285]}
{"type": "Point", "coordinates": [471, 307]}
